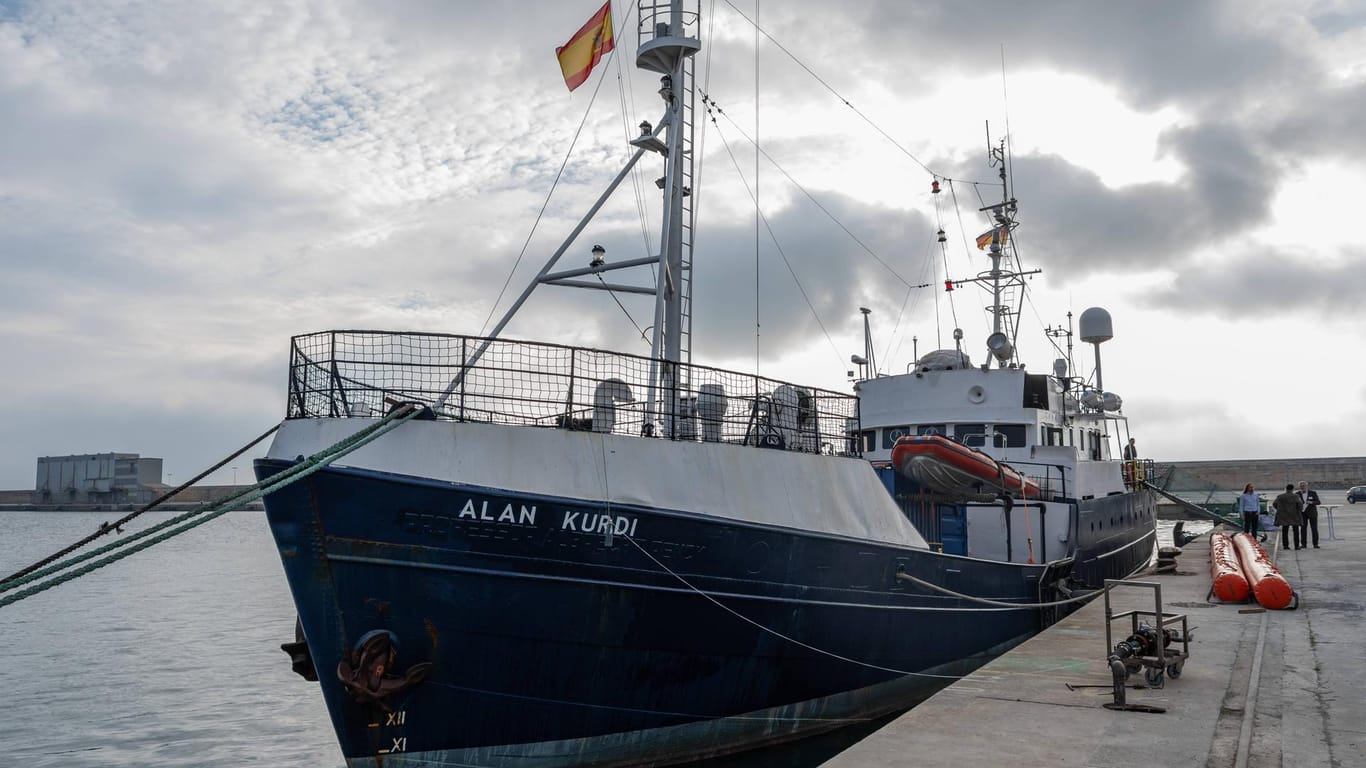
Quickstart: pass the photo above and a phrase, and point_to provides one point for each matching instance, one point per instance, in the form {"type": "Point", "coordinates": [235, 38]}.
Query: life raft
{"type": "Point", "coordinates": [1268, 585]}
{"type": "Point", "coordinates": [944, 465]}
{"type": "Point", "coordinates": [1229, 582]}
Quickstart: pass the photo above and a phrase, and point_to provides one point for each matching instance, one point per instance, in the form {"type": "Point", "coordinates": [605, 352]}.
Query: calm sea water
{"type": "Point", "coordinates": [168, 658]}
{"type": "Point", "coordinates": [171, 657]}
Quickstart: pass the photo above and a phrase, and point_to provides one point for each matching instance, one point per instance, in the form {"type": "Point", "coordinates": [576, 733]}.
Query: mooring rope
{"type": "Point", "coordinates": [899, 576]}
{"type": "Point", "coordinates": [211, 511]}
{"type": "Point", "coordinates": [775, 632]}
{"type": "Point", "coordinates": [5, 582]}
{"type": "Point", "coordinates": [989, 601]}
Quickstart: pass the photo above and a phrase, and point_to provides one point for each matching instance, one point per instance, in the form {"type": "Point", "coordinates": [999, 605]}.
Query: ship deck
{"type": "Point", "coordinates": [1261, 688]}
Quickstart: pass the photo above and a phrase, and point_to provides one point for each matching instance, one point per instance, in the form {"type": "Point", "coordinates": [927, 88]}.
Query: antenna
{"type": "Point", "coordinates": [868, 355]}
{"type": "Point", "coordinates": [1097, 329]}
{"type": "Point", "coordinates": [1062, 367]}
{"type": "Point", "coordinates": [1067, 361]}
{"type": "Point", "coordinates": [1005, 105]}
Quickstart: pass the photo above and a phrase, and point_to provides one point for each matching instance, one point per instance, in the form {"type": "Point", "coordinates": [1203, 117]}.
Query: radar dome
{"type": "Point", "coordinates": [1096, 326]}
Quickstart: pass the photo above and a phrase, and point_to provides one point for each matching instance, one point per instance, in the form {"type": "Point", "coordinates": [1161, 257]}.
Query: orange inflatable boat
{"type": "Point", "coordinates": [945, 465]}
{"type": "Point", "coordinates": [1229, 583]}
{"type": "Point", "coordinates": [1268, 585]}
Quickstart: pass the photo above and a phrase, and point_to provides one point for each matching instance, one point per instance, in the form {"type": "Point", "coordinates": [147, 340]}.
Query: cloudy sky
{"type": "Point", "coordinates": [183, 186]}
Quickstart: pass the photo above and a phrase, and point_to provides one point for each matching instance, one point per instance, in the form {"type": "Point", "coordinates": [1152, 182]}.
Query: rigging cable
{"type": "Point", "coordinates": [776, 244]}
{"type": "Point", "coordinates": [925, 261]}
{"type": "Point", "coordinates": [627, 98]}
{"type": "Point", "coordinates": [558, 174]}
{"type": "Point", "coordinates": [758, 212]}
{"type": "Point", "coordinates": [757, 29]}
{"type": "Point", "coordinates": [624, 311]}
{"type": "Point", "coordinates": [997, 605]}
{"type": "Point", "coordinates": [1005, 105]}
{"type": "Point", "coordinates": [809, 196]}
{"type": "Point", "coordinates": [986, 311]}
{"type": "Point", "coordinates": [699, 156]}
{"type": "Point", "coordinates": [962, 233]}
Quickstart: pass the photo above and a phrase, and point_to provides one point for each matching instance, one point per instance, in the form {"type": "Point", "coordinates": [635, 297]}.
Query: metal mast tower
{"type": "Point", "coordinates": [667, 41]}
{"type": "Point", "coordinates": [1005, 284]}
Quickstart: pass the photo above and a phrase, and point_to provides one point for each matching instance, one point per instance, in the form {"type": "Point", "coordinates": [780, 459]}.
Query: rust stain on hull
{"type": "Point", "coordinates": [431, 635]}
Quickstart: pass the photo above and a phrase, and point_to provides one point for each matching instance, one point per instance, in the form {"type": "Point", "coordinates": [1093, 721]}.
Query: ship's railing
{"type": "Point", "coordinates": [656, 19]}
{"type": "Point", "coordinates": [1051, 479]}
{"type": "Point", "coordinates": [365, 373]}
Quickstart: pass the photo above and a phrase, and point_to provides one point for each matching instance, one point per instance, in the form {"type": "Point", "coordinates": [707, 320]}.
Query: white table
{"type": "Point", "coordinates": [1332, 535]}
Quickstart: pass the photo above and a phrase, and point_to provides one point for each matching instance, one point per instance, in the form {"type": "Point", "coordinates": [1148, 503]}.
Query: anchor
{"type": "Point", "coordinates": [365, 673]}
{"type": "Point", "coordinates": [300, 657]}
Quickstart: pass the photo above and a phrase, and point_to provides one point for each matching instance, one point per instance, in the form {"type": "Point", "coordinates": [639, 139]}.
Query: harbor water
{"type": "Point", "coordinates": [171, 657]}
{"type": "Point", "coordinates": [168, 658]}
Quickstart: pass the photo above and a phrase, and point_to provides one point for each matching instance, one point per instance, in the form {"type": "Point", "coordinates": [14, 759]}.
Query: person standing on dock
{"type": "Point", "coordinates": [1249, 505]}
{"type": "Point", "coordinates": [1309, 501]}
{"type": "Point", "coordinates": [1288, 517]}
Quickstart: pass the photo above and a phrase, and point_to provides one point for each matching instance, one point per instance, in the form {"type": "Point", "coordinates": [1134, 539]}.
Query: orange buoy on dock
{"type": "Point", "coordinates": [1268, 585]}
{"type": "Point", "coordinates": [1229, 582]}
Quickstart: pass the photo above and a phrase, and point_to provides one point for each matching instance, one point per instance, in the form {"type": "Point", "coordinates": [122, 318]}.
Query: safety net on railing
{"type": "Point", "coordinates": [365, 373]}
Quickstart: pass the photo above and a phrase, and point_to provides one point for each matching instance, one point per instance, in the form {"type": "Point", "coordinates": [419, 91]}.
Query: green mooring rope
{"type": "Point", "coordinates": [271, 484]}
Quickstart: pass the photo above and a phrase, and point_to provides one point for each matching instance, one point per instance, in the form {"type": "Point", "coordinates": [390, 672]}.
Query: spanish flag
{"type": "Point", "coordinates": [997, 235]}
{"type": "Point", "coordinates": [585, 49]}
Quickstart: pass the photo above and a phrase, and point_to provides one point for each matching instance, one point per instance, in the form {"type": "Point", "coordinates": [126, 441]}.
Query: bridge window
{"type": "Point", "coordinates": [1035, 390]}
{"type": "Point", "coordinates": [1050, 435]}
{"type": "Point", "coordinates": [931, 429]}
{"type": "Point", "coordinates": [869, 439]}
{"type": "Point", "coordinates": [891, 434]}
{"type": "Point", "coordinates": [1014, 434]}
{"type": "Point", "coordinates": [963, 433]}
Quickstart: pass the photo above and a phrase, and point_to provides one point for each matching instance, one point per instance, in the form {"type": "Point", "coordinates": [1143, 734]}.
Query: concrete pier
{"type": "Point", "coordinates": [1261, 688]}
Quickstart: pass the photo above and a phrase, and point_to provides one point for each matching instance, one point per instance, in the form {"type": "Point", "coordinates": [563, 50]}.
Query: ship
{"type": "Point", "coordinates": [566, 556]}
{"type": "Point", "coordinates": [995, 461]}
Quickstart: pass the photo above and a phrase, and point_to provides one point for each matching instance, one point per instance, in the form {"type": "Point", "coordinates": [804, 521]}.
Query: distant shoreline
{"type": "Point", "coordinates": [188, 499]}
{"type": "Point", "coordinates": [170, 506]}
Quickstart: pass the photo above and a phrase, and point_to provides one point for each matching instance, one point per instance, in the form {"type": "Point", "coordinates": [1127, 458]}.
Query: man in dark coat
{"type": "Point", "coordinates": [1309, 503]}
{"type": "Point", "coordinates": [1288, 517]}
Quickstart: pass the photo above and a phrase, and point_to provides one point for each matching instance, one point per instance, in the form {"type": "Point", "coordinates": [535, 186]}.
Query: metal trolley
{"type": "Point", "coordinates": [1150, 644]}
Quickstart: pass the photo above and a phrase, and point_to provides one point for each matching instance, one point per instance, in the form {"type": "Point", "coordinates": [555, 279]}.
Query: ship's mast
{"type": "Point", "coordinates": [667, 37]}
{"type": "Point", "coordinates": [1005, 284]}
{"type": "Point", "coordinates": [668, 40]}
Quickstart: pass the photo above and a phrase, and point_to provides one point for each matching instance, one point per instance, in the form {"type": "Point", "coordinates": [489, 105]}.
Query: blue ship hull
{"type": "Point", "coordinates": [1115, 536]}
{"type": "Point", "coordinates": [564, 633]}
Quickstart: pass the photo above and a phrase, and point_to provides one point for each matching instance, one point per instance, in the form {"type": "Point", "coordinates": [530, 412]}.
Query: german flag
{"type": "Point", "coordinates": [586, 48]}
{"type": "Point", "coordinates": [997, 236]}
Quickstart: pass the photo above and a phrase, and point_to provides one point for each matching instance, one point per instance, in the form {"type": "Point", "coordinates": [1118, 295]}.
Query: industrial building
{"type": "Point", "coordinates": [98, 478]}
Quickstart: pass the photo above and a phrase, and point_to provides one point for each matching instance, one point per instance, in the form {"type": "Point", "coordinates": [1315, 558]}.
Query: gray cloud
{"type": "Point", "coordinates": [1268, 283]}
{"type": "Point", "coordinates": [1079, 227]}
{"type": "Point", "coordinates": [180, 192]}
{"type": "Point", "coordinates": [1204, 53]}
{"type": "Point", "coordinates": [1323, 122]}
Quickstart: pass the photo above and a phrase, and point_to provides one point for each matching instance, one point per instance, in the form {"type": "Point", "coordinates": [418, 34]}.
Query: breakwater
{"type": "Point", "coordinates": [185, 500]}
{"type": "Point", "coordinates": [1265, 474]}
